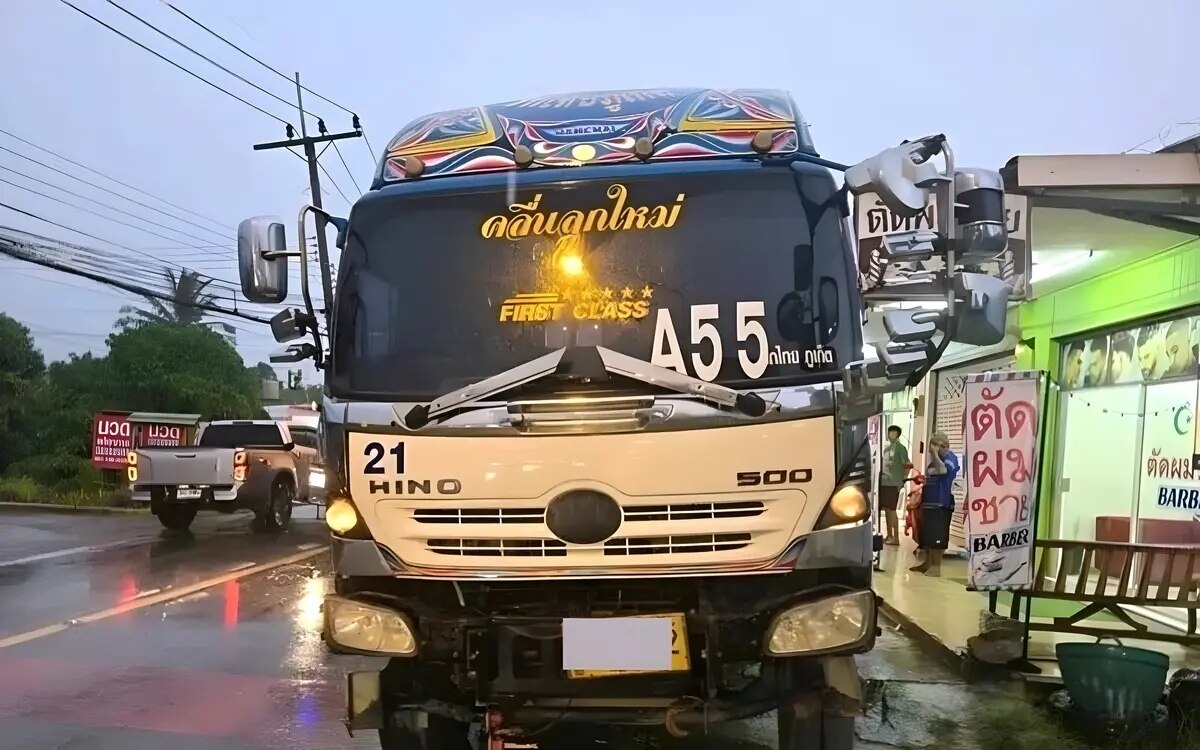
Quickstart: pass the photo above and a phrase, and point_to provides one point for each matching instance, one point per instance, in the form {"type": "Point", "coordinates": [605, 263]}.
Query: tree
{"type": "Point", "coordinates": [189, 296]}
{"type": "Point", "coordinates": [21, 368]}
{"type": "Point", "coordinates": [267, 372]}
{"type": "Point", "coordinates": [180, 368]}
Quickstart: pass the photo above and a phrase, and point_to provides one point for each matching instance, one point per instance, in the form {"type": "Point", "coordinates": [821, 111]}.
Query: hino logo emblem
{"type": "Point", "coordinates": [374, 454]}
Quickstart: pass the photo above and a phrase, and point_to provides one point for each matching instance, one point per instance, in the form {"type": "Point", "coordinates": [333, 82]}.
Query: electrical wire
{"type": "Point", "coordinates": [198, 77]}
{"type": "Point", "coordinates": [201, 55]}
{"type": "Point", "coordinates": [110, 192]}
{"type": "Point", "coordinates": [110, 178]}
{"type": "Point", "coordinates": [273, 69]}
{"type": "Point", "coordinates": [334, 183]}
{"type": "Point", "coordinates": [111, 208]}
{"type": "Point", "coordinates": [338, 151]}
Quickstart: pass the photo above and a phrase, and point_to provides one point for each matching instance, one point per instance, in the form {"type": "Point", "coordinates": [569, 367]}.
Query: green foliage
{"type": "Point", "coordinates": [46, 412]}
{"type": "Point", "coordinates": [189, 297]}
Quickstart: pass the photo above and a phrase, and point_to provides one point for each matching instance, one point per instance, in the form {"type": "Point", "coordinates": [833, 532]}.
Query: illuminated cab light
{"type": "Point", "coordinates": [340, 516]}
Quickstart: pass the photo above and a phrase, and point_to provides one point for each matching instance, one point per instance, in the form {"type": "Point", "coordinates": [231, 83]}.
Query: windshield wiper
{"type": "Point", "coordinates": [581, 363]}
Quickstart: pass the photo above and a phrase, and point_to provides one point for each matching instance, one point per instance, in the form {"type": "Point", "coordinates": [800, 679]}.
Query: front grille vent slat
{"type": "Point", "coordinates": [633, 513]}
{"type": "Point", "coordinates": [498, 547]}
{"type": "Point", "coordinates": [676, 545]}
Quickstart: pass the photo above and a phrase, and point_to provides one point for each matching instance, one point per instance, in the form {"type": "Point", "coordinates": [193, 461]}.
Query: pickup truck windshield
{"type": "Point", "coordinates": [734, 276]}
{"type": "Point", "coordinates": [240, 435]}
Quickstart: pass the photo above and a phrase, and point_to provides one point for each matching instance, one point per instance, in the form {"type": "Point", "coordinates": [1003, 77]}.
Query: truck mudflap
{"type": "Point", "coordinates": [501, 728]}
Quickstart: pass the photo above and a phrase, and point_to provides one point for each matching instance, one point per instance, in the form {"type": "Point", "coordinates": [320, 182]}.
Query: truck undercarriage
{"type": "Point", "coordinates": [496, 649]}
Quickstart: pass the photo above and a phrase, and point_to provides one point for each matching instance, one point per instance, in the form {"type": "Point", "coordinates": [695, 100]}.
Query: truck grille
{"type": "Point", "coordinates": [676, 545]}
{"type": "Point", "coordinates": [633, 514]}
{"type": "Point", "coordinates": [512, 535]}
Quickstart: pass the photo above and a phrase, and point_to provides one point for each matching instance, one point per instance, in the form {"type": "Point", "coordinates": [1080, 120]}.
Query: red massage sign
{"type": "Point", "coordinates": [111, 440]}
{"type": "Point", "coordinates": [1000, 467]}
{"type": "Point", "coordinates": [113, 436]}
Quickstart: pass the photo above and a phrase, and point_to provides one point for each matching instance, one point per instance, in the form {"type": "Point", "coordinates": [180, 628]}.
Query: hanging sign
{"type": "Point", "coordinates": [1002, 423]}
{"type": "Point", "coordinates": [111, 440]}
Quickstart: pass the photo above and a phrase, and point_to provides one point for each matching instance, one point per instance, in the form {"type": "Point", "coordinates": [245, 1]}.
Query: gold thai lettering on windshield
{"type": "Point", "coordinates": [530, 220]}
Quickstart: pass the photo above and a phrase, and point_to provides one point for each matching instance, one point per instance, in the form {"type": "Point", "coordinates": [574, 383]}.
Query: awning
{"type": "Point", "coordinates": [149, 417]}
{"type": "Point", "coordinates": [1091, 213]}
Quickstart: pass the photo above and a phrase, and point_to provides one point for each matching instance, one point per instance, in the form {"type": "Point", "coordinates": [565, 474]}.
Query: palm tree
{"type": "Point", "coordinates": [188, 300]}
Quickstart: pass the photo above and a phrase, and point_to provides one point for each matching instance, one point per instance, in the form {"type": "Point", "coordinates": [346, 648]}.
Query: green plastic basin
{"type": "Point", "coordinates": [1117, 683]}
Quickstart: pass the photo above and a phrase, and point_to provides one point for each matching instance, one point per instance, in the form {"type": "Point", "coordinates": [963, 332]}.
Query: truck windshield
{"type": "Point", "coordinates": [739, 276]}
{"type": "Point", "coordinates": [240, 435]}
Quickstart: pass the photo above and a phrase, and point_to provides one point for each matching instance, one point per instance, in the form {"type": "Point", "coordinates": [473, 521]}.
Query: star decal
{"type": "Point", "coordinates": [626, 293]}
{"type": "Point", "coordinates": [647, 292]}
{"type": "Point", "coordinates": [607, 293]}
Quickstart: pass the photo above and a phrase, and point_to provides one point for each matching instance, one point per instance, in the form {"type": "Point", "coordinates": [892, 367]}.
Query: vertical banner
{"type": "Point", "coordinates": [1002, 422]}
{"type": "Point", "coordinates": [110, 440]}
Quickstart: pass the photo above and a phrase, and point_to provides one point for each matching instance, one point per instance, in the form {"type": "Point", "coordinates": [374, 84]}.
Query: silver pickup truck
{"type": "Point", "coordinates": [258, 465]}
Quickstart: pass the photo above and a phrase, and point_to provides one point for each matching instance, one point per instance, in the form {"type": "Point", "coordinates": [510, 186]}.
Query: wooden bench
{"type": "Point", "coordinates": [1112, 576]}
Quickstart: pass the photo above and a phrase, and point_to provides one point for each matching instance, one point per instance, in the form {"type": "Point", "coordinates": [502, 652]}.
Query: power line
{"type": "Point", "coordinates": [16, 250]}
{"type": "Point", "coordinates": [110, 178]}
{"type": "Point", "coordinates": [211, 61]}
{"type": "Point", "coordinates": [347, 167]}
{"type": "Point", "coordinates": [276, 71]}
{"type": "Point", "coordinates": [198, 77]}
{"type": "Point", "coordinates": [110, 192]}
{"type": "Point", "coordinates": [111, 208]}
{"type": "Point", "coordinates": [334, 183]}
{"type": "Point", "coordinates": [93, 213]}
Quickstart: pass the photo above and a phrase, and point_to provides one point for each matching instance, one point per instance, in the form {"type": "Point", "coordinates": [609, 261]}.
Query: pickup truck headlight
{"type": "Point", "coordinates": [368, 628]}
{"type": "Point", "coordinates": [822, 625]}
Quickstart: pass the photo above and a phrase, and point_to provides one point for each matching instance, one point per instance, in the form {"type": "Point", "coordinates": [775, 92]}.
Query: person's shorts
{"type": "Point", "coordinates": [935, 527]}
{"type": "Point", "coordinates": [889, 497]}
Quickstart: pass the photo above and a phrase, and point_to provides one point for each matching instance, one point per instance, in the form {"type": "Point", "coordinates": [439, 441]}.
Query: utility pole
{"type": "Point", "coordinates": [314, 181]}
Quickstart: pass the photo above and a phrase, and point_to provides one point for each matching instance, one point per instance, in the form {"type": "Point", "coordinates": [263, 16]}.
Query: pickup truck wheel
{"type": "Point", "coordinates": [404, 732]}
{"type": "Point", "coordinates": [278, 513]}
{"type": "Point", "coordinates": [176, 517]}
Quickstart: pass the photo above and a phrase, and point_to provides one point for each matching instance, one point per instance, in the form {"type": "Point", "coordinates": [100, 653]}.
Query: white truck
{"type": "Point", "coordinates": [257, 465]}
{"type": "Point", "coordinates": [596, 405]}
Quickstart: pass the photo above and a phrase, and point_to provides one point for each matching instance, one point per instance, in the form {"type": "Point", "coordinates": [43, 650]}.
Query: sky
{"type": "Point", "coordinates": [1015, 77]}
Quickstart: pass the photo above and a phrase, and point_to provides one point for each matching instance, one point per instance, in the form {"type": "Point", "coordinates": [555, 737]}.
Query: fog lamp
{"type": "Point", "coordinates": [340, 516]}
{"type": "Point", "coordinates": [368, 628]}
{"type": "Point", "coordinates": [823, 625]}
{"type": "Point", "coordinates": [849, 504]}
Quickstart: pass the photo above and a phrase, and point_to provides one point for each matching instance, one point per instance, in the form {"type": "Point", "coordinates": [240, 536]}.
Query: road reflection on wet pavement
{"type": "Point", "coordinates": [239, 664]}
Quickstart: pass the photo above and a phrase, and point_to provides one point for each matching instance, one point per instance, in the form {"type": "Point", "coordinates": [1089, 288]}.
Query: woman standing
{"type": "Point", "coordinates": [937, 504]}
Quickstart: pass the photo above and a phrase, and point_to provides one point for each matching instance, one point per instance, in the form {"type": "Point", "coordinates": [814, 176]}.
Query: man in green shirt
{"type": "Point", "coordinates": [893, 471]}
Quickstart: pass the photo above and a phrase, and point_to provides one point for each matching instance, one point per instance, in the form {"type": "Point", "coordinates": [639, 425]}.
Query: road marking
{"type": "Point", "coordinates": [76, 551]}
{"type": "Point", "coordinates": [166, 596]}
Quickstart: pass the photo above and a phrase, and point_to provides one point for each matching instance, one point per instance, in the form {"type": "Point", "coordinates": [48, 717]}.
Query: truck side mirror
{"type": "Point", "coordinates": [980, 310]}
{"type": "Point", "coordinates": [289, 325]}
{"type": "Point", "coordinates": [262, 259]}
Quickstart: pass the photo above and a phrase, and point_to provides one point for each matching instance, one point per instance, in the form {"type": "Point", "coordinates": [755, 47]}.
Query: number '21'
{"type": "Point", "coordinates": [374, 453]}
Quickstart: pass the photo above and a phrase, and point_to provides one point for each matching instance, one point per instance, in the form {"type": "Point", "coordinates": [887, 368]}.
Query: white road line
{"type": "Point", "coordinates": [165, 596]}
{"type": "Point", "coordinates": [75, 551]}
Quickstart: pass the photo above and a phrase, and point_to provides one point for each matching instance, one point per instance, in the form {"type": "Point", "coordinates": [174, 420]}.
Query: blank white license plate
{"type": "Point", "coordinates": [640, 644]}
{"type": "Point", "coordinates": [187, 494]}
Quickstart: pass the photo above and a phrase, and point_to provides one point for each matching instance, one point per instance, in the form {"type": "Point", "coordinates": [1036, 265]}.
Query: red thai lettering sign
{"type": "Point", "coordinates": [152, 435]}
{"type": "Point", "coordinates": [111, 440]}
{"type": "Point", "coordinates": [1000, 464]}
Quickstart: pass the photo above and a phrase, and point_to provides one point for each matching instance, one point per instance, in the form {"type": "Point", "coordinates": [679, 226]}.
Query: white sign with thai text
{"type": "Point", "coordinates": [1001, 423]}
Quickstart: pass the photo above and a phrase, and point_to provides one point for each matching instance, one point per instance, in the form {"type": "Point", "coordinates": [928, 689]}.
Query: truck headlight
{"type": "Point", "coordinates": [368, 628]}
{"type": "Point", "coordinates": [822, 625]}
{"type": "Point", "coordinates": [341, 516]}
{"type": "Point", "coordinates": [316, 478]}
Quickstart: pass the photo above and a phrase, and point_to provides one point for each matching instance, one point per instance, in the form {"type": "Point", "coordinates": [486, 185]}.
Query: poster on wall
{"type": "Point", "coordinates": [874, 440]}
{"type": "Point", "coordinates": [1002, 423]}
{"type": "Point", "coordinates": [1145, 353]}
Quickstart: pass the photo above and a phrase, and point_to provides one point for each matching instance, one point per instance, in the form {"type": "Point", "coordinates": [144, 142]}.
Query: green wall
{"type": "Point", "coordinates": [1151, 286]}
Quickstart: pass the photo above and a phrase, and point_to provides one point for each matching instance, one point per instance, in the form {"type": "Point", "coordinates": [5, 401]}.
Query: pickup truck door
{"type": "Point", "coordinates": [304, 442]}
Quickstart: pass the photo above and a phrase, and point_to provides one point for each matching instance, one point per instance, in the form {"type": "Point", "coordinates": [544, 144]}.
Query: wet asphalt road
{"type": "Point", "coordinates": [114, 634]}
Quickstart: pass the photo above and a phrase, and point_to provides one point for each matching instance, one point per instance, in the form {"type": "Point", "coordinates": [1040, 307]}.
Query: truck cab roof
{"type": "Point", "coordinates": [598, 127]}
